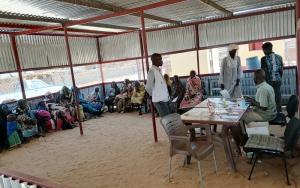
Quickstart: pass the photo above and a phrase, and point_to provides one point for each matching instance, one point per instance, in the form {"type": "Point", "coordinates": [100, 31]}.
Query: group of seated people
{"type": "Point", "coordinates": [128, 96]}
{"type": "Point", "coordinates": [184, 97]}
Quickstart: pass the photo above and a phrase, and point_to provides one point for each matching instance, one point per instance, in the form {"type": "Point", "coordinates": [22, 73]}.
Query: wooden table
{"type": "Point", "coordinates": [227, 115]}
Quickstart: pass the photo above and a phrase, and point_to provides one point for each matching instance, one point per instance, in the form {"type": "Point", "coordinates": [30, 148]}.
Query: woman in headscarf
{"type": "Point", "coordinates": [138, 95]}
{"type": "Point", "coordinates": [177, 92]}
{"type": "Point", "coordinates": [231, 72]}
{"type": "Point", "coordinates": [26, 118]}
{"type": "Point", "coordinates": [124, 98]}
{"type": "Point", "coordinates": [65, 96]}
{"type": "Point", "coordinates": [193, 93]}
{"type": "Point", "coordinates": [168, 82]}
{"type": "Point", "coordinates": [113, 92]}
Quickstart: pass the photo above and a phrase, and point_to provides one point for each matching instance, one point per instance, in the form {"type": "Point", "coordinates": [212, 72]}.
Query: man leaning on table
{"type": "Point", "coordinates": [264, 102]}
{"type": "Point", "coordinates": [264, 107]}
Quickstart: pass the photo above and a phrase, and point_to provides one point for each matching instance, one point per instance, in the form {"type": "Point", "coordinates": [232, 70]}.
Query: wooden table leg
{"type": "Point", "coordinates": [227, 147]}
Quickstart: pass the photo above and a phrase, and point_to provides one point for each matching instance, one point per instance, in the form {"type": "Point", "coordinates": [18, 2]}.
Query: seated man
{"type": "Point", "coordinates": [264, 107]}
{"type": "Point", "coordinates": [264, 102]}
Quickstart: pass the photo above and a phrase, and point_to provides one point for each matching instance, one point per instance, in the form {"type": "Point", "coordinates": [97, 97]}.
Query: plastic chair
{"type": "Point", "coordinates": [180, 143]}
{"type": "Point", "coordinates": [269, 145]}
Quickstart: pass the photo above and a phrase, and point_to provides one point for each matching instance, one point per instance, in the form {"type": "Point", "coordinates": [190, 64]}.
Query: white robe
{"type": "Point", "coordinates": [230, 71]}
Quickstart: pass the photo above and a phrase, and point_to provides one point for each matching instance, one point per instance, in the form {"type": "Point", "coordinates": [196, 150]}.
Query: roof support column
{"type": "Point", "coordinates": [298, 45]}
{"type": "Point", "coordinates": [142, 55]}
{"type": "Point", "coordinates": [18, 64]}
{"type": "Point", "coordinates": [197, 48]}
{"type": "Point", "coordinates": [73, 79]}
{"type": "Point", "coordinates": [101, 68]}
{"type": "Point", "coordinates": [144, 37]}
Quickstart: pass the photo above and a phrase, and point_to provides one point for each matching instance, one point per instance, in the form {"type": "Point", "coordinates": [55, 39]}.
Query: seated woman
{"type": "Point", "coordinates": [26, 119]}
{"type": "Point", "coordinates": [193, 93]}
{"type": "Point", "coordinates": [177, 93]}
{"type": "Point", "coordinates": [93, 106]}
{"type": "Point", "coordinates": [168, 82]}
{"type": "Point", "coordinates": [138, 95]}
{"type": "Point", "coordinates": [113, 92]}
{"type": "Point", "coordinates": [66, 99]}
{"type": "Point", "coordinates": [59, 114]}
{"type": "Point", "coordinates": [123, 99]}
{"type": "Point", "coordinates": [96, 97]}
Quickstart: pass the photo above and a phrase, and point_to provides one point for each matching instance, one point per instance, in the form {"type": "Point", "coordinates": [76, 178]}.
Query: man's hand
{"type": "Point", "coordinates": [222, 87]}
{"type": "Point", "coordinates": [237, 82]}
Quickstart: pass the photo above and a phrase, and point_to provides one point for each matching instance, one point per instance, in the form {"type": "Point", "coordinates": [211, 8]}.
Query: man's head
{"type": "Point", "coordinates": [259, 76]}
{"type": "Point", "coordinates": [232, 49]}
{"type": "Point", "coordinates": [267, 48]}
{"type": "Point", "coordinates": [156, 59]}
{"type": "Point", "coordinates": [113, 84]}
{"type": "Point", "coordinates": [97, 90]}
{"type": "Point", "coordinates": [127, 81]}
{"type": "Point", "coordinates": [192, 73]}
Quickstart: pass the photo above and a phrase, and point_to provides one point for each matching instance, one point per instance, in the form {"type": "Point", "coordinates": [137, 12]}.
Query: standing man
{"type": "Point", "coordinates": [231, 72]}
{"type": "Point", "coordinates": [272, 64]}
{"type": "Point", "coordinates": [157, 88]}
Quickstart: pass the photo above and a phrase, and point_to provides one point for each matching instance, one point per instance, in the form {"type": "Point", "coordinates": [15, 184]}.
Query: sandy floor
{"type": "Point", "coordinates": [118, 151]}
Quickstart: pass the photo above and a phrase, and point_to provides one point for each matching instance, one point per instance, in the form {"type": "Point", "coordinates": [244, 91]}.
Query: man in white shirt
{"type": "Point", "coordinates": [157, 88]}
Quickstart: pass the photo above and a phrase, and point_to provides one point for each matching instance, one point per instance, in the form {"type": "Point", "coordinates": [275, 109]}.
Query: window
{"type": "Point", "coordinates": [180, 64]}
{"type": "Point", "coordinates": [10, 87]}
{"type": "Point", "coordinates": [285, 48]}
{"type": "Point", "coordinates": [37, 83]}
{"type": "Point", "coordinates": [87, 75]}
{"type": "Point", "coordinates": [119, 71]}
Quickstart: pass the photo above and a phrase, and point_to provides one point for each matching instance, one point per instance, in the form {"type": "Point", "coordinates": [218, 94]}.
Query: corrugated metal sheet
{"type": "Point", "coordinates": [120, 46]}
{"type": "Point", "coordinates": [243, 5]}
{"type": "Point", "coordinates": [49, 8]}
{"type": "Point", "coordinates": [278, 24]}
{"type": "Point", "coordinates": [7, 61]}
{"type": "Point", "coordinates": [41, 51]}
{"type": "Point", "coordinates": [8, 182]}
{"type": "Point", "coordinates": [186, 10]}
{"type": "Point", "coordinates": [171, 40]}
{"type": "Point", "coordinates": [83, 50]}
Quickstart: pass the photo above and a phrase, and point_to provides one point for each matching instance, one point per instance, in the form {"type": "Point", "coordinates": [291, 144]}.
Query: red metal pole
{"type": "Point", "coordinates": [73, 78]}
{"type": "Point", "coordinates": [142, 55]}
{"type": "Point", "coordinates": [144, 37]}
{"type": "Point", "coordinates": [18, 64]}
{"type": "Point", "coordinates": [101, 68]}
{"type": "Point", "coordinates": [197, 48]}
{"type": "Point", "coordinates": [298, 45]}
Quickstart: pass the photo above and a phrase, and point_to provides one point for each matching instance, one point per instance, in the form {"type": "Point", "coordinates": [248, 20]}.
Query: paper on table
{"type": "Point", "coordinates": [229, 117]}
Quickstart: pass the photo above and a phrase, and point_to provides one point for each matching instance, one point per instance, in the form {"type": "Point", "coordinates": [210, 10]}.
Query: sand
{"type": "Point", "coordinates": [117, 150]}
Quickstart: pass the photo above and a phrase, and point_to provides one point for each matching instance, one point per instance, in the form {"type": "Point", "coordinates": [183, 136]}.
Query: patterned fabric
{"type": "Point", "coordinates": [265, 142]}
{"type": "Point", "coordinates": [273, 70]}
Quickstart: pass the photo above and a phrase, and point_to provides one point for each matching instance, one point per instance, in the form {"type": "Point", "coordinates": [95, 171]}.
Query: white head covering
{"type": "Point", "coordinates": [233, 47]}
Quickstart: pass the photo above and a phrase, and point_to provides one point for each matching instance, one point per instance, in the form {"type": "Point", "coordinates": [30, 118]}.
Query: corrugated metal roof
{"type": "Point", "coordinates": [184, 11]}
{"type": "Point", "coordinates": [242, 5]}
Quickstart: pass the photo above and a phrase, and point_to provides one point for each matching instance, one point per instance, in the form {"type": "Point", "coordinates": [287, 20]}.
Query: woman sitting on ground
{"type": "Point", "coordinates": [113, 92]}
{"type": "Point", "coordinates": [96, 97]}
{"type": "Point", "coordinates": [193, 93]}
{"type": "Point", "coordinates": [26, 118]}
{"type": "Point", "coordinates": [123, 99]}
{"type": "Point", "coordinates": [138, 95]}
{"type": "Point", "coordinates": [177, 92]}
